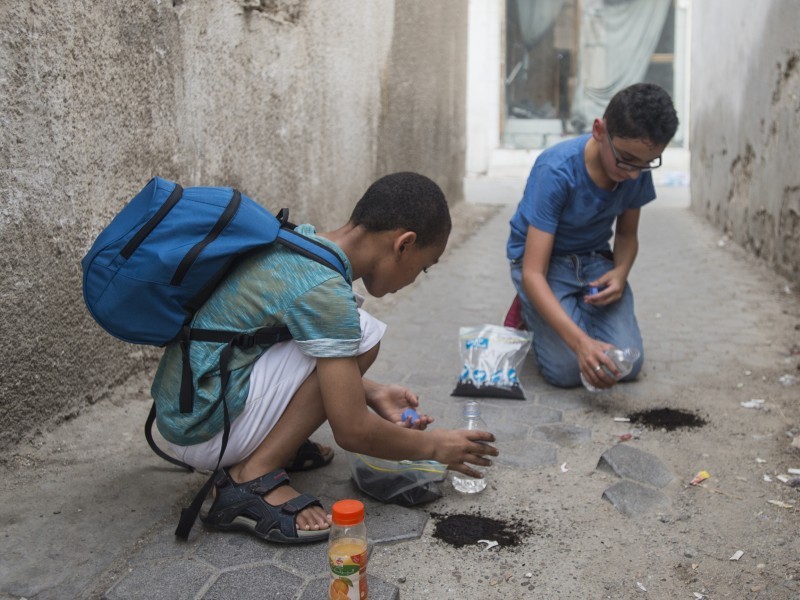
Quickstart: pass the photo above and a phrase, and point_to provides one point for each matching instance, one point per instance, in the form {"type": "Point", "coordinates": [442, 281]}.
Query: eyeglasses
{"type": "Point", "coordinates": [626, 166]}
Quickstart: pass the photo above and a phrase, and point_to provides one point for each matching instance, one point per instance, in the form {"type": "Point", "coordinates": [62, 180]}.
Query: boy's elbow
{"type": "Point", "coordinates": [347, 439]}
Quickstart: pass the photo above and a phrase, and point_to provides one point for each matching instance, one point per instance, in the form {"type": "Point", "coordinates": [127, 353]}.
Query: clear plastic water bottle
{"type": "Point", "coordinates": [624, 359]}
{"type": "Point", "coordinates": [472, 420]}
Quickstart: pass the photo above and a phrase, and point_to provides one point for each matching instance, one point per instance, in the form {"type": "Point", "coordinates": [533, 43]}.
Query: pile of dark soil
{"type": "Point", "coordinates": [666, 418]}
{"type": "Point", "coordinates": [465, 530]}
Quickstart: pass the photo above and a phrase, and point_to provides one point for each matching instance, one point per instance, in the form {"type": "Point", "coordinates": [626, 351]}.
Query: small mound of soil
{"type": "Point", "coordinates": [666, 418]}
{"type": "Point", "coordinates": [465, 530]}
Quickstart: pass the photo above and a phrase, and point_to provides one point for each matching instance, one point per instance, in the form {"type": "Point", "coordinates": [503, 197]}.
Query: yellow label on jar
{"type": "Point", "coordinates": [348, 562]}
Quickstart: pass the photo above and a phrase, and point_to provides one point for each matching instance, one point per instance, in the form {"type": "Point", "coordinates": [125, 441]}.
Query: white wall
{"type": "Point", "coordinates": [297, 103]}
{"type": "Point", "coordinates": [485, 67]}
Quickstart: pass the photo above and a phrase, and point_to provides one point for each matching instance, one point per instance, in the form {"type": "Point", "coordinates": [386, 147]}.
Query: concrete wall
{"type": "Point", "coordinates": [299, 103]}
{"type": "Point", "coordinates": [745, 106]}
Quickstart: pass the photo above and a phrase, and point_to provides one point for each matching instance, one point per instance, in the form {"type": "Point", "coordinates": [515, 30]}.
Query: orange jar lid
{"type": "Point", "coordinates": [347, 512]}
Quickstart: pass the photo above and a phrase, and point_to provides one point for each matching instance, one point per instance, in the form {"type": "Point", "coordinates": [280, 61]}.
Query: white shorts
{"type": "Point", "coordinates": [276, 377]}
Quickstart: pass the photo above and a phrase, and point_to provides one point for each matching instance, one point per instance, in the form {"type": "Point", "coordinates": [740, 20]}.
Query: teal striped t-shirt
{"type": "Point", "coordinates": [271, 287]}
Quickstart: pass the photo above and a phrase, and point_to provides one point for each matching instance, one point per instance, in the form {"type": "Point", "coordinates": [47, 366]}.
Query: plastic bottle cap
{"type": "Point", "coordinates": [347, 512]}
{"type": "Point", "coordinates": [410, 412]}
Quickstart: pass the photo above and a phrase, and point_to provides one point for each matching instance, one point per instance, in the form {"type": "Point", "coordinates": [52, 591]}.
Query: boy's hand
{"type": "Point", "coordinates": [610, 287]}
{"type": "Point", "coordinates": [389, 401]}
{"type": "Point", "coordinates": [458, 447]}
{"type": "Point", "coordinates": [591, 355]}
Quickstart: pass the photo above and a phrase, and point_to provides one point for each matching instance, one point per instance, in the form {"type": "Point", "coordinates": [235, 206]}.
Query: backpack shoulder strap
{"type": "Point", "coordinates": [311, 248]}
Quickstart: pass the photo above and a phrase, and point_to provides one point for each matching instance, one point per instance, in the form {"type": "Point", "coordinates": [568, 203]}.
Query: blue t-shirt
{"type": "Point", "coordinates": [561, 199]}
{"type": "Point", "coordinates": [271, 287]}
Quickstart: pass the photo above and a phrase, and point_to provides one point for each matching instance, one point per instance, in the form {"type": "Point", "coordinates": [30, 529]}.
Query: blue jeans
{"type": "Point", "coordinates": [568, 276]}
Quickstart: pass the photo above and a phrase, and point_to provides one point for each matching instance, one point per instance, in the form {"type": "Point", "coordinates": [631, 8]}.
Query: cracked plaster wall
{"type": "Point", "coordinates": [299, 103]}
{"type": "Point", "coordinates": [745, 107]}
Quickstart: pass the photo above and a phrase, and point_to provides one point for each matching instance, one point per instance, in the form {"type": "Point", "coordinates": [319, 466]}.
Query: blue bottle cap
{"type": "Point", "coordinates": [410, 412]}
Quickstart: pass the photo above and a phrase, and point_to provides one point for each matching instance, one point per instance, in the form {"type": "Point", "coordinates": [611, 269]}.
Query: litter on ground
{"type": "Point", "coordinates": [699, 478]}
{"type": "Point", "coordinates": [756, 403]}
{"type": "Point", "coordinates": [737, 555]}
{"type": "Point", "coordinates": [780, 503]}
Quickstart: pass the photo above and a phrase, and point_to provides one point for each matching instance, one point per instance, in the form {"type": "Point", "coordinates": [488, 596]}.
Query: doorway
{"type": "Point", "coordinates": [565, 59]}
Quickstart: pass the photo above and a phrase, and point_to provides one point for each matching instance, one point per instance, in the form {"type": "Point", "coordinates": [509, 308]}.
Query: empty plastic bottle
{"type": "Point", "coordinates": [472, 420]}
{"type": "Point", "coordinates": [624, 359]}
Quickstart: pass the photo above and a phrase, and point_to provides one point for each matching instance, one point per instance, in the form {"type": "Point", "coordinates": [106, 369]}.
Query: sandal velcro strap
{"type": "Point", "coordinates": [301, 502]}
{"type": "Point", "coordinates": [266, 483]}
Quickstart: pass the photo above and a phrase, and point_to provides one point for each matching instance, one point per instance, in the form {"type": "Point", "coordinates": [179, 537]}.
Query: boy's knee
{"type": "Point", "coordinates": [565, 374]}
{"type": "Point", "coordinates": [557, 363]}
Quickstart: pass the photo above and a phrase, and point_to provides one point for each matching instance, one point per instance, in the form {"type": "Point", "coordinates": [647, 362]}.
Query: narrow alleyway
{"type": "Point", "coordinates": [91, 514]}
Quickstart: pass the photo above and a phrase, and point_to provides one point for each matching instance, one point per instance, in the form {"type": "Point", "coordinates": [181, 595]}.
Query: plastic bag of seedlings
{"type": "Point", "coordinates": [490, 356]}
{"type": "Point", "coordinates": [405, 482]}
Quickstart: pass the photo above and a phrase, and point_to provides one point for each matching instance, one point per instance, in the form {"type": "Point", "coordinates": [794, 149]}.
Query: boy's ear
{"type": "Point", "coordinates": [598, 129]}
{"type": "Point", "coordinates": [404, 241]}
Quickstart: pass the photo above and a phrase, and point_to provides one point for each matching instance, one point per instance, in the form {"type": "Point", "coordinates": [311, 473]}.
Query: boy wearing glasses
{"type": "Point", "coordinates": [572, 286]}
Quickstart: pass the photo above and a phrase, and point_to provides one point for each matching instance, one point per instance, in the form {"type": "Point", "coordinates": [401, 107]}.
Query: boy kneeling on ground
{"type": "Point", "coordinates": [573, 289]}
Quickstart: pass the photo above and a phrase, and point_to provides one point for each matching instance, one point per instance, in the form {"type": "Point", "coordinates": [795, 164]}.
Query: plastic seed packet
{"type": "Point", "coordinates": [490, 356]}
{"type": "Point", "coordinates": [405, 482]}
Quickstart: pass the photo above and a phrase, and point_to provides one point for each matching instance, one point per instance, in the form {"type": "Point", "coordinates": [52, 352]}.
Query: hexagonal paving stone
{"type": "Point", "coordinates": [533, 414]}
{"type": "Point", "coordinates": [226, 549]}
{"type": "Point", "coordinates": [310, 559]}
{"type": "Point", "coordinates": [571, 400]}
{"type": "Point", "coordinates": [631, 463]}
{"type": "Point", "coordinates": [340, 490]}
{"type": "Point", "coordinates": [173, 578]}
{"type": "Point", "coordinates": [526, 453]}
{"type": "Point", "coordinates": [165, 544]}
{"type": "Point", "coordinates": [259, 582]}
{"type": "Point", "coordinates": [561, 434]}
{"type": "Point", "coordinates": [509, 429]}
{"type": "Point", "coordinates": [392, 523]}
{"type": "Point", "coordinates": [631, 498]}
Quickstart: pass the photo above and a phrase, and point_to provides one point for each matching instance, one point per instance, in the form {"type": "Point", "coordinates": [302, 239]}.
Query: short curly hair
{"type": "Point", "coordinates": [405, 201]}
{"type": "Point", "coordinates": [642, 111]}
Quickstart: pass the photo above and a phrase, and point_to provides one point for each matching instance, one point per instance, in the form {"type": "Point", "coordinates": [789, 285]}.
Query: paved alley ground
{"type": "Point", "coordinates": [88, 512]}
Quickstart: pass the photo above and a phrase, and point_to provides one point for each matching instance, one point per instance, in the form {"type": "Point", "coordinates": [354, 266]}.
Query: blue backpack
{"type": "Point", "coordinates": [160, 259]}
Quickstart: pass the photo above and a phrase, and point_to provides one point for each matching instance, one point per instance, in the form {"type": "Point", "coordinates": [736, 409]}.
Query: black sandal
{"type": "Point", "coordinates": [309, 456]}
{"type": "Point", "coordinates": [241, 506]}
